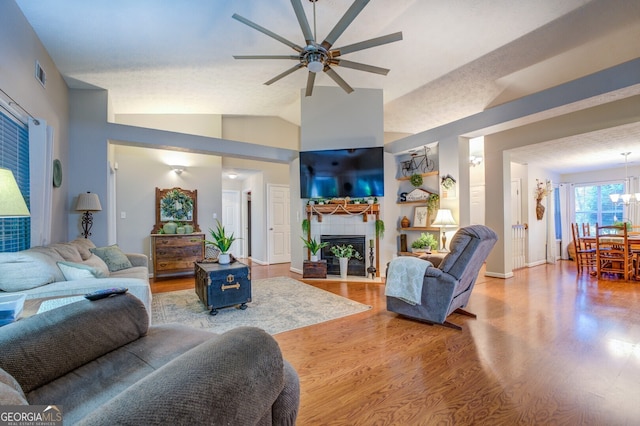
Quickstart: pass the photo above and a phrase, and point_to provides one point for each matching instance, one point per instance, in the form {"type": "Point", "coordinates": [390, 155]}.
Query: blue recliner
{"type": "Point", "coordinates": [447, 287]}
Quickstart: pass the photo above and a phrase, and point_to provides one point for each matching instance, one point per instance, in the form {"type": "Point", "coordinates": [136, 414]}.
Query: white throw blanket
{"type": "Point", "coordinates": [405, 277]}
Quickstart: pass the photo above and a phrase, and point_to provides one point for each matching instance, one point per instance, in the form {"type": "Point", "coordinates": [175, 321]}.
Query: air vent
{"type": "Point", "coordinates": [41, 76]}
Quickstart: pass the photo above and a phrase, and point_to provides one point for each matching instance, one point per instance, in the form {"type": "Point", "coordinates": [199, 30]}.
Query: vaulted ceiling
{"type": "Point", "coordinates": [457, 58]}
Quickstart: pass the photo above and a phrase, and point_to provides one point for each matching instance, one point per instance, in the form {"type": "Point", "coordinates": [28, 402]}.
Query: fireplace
{"type": "Point", "coordinates": [356, 267]}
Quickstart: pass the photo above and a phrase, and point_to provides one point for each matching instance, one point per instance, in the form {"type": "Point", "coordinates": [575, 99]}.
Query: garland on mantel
{"type": "Point", "coordinates": [340, 206]}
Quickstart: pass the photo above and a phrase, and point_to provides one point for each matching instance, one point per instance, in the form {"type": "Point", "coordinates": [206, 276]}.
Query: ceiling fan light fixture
{"type": "Point", "coordinates": [315, 66]}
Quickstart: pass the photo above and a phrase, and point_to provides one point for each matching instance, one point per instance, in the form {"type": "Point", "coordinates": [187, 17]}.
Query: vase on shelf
{"type": "Point", "coordinates": [404, 223]}
{"type": "Point", "coordinates": [344, 267]}
{"type": "Point", "coordinates": [188, 229]}
{"type": "Point", "coordinates": [180, 230]}
{"type": "Point", "coordinates": [169, 227]}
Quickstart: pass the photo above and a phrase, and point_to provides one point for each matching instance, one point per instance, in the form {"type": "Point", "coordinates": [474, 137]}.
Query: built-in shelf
{"type": "Point", "coordinates": [434, 173]}
{"type": "Point", "coordinates": [412, 202]}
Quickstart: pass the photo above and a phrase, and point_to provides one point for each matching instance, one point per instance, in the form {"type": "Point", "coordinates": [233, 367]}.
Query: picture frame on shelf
{"type": "Point", "coordinates": [420, 217]}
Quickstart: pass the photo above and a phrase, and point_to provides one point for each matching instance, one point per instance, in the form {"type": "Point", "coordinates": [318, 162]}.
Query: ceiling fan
{"type": "Point", "coordinates": [318, 57]}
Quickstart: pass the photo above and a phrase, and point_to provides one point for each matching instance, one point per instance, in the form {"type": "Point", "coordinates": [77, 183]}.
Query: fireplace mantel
{"type": "Point", "coordinates": [351, 209]}
{"type": "Point", "coordinates": [365, 210]}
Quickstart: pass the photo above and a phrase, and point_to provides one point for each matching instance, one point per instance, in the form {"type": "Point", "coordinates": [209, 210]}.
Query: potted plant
{"type": "Point", "coordinates": [344, 253]}
{"type": "Point", "coordinates": [426, 242]}
{"type": "Point", "coordinates": [432, 202]}
{"type": "Point", "coordinates": [222, 242]}
{"type": "Point", "coordinates": [314, 246]}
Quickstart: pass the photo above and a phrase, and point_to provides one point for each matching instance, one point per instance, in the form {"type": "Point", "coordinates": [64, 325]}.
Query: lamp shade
{"type": "Point", "coordinates": [11, 201]}
{"type": "Point", "coordinates": [88, 202]}
{"type": "Point", "coordinates": [443, 219]}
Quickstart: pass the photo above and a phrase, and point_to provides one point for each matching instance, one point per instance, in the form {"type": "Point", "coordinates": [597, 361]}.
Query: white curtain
{"type": "Point", "coordinates": [41, 178]}
{"type": "Point", "coordinates": [565, 217]}
{"type": "Point", "coordinates": [551, 227]}
{"type": "Point", "coordinates": [633, 210]}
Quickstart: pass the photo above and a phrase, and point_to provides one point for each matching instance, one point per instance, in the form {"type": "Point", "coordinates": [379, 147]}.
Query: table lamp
{"type": "Point", "coordinates": [11, 201]}
{"type": "Point", "coordinates": [88, 203]}
{"type": "Point", "coordinates": [444, 219]}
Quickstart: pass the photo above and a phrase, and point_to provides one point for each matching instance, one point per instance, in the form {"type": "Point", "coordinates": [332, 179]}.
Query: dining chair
{"type": "Point", "coordinates": [585, 256]}
{"type": "Point", "coordinates": [613, 253]}
{"type": "Point", "coordinates": [586, 232]}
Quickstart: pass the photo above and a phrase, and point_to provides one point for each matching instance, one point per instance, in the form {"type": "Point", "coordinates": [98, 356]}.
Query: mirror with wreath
{"type": "Point", "coordinates": [176, 205]}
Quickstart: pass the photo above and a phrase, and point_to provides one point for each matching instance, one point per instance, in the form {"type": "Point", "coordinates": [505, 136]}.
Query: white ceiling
{"type": "Point", "coordinates": [456, 58]}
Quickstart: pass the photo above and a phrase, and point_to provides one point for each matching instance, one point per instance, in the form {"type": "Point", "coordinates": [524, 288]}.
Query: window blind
{"type": "Point", "coordinates": [15, 233]}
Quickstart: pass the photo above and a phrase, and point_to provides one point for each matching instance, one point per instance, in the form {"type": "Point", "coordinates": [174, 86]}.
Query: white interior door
{"type": "Point", "coordinates": [279, 224]}
{"type": "Point", "coordinates": [231, 218]}
{"type": "Point", "coordinates": [477, 205]}
{"type": "Point", "coordinates": [516, 202]}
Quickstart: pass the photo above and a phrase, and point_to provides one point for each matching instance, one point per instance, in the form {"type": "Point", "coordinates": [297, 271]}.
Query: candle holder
{"type": "Point", "coordinates": [371, 269]}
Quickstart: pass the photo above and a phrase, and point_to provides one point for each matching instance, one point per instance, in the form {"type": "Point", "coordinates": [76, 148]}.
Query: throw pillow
{"type": "Point", "coordinates": [83, 245]}
{"type": "Point", "coordinates": [113, 257]}
{"type": "Point", "coordinates": [77, 271]}
{"type": "Point", "coordinates": [97, 263]}
{"type": "Point", "coordinates": [24, 270]}
{"type": "Point", "coordinates": [69, 252]}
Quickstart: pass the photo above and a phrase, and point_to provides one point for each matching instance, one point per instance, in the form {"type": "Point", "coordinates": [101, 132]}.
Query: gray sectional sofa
{"type": "Point", "coordinates": [74, 268]}
{"type": "Point", "coordinates": [102, 364]}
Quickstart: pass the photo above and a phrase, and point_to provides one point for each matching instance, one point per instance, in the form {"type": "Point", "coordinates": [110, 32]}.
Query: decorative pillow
{"type": "Point", "coordinates": [24, 270]}
{"type": "Point", "coordinates": [97, 263]}
{"type": "Point", "coordinates": [84, 245]}
{"type": "Point", "coordinates": [69, 252]}
{"type": "Point", "coordinates": [77, 271]}
{"type": "Point", "coordinates": [113, 257]}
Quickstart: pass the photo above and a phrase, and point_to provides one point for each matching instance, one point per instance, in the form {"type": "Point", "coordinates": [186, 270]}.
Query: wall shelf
{"type": "Point", "coordinates": [434, 173]}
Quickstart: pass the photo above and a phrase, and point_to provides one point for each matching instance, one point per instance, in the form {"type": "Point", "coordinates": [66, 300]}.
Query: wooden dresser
{"type": "Point", "coordinates": [175, 254]}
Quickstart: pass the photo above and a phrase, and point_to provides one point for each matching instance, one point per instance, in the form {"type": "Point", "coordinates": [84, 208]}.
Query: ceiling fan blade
{"type": "Point", "coordinates": [302, 20]}
{"type": "Point", "coordinates": [311, 78]}
{"type": "Point", "coordinates": [344, 22]}
{"type": "Point", "coordinates": [267, 32]}
{"type": "Point", "coordinates": [335, 77]}
{"type": "Point", "coordinates": [359, 66]}
{"type": "Point", "coordinates": [284, 74]}
{"type": "Point", "coordinates": [373, 42]}
{"type": "Point", "coordinates": [295, 57]}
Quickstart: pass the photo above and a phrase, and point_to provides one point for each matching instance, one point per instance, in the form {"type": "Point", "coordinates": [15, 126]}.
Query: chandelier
{"type": "Point", "coordinates": [627, 197]}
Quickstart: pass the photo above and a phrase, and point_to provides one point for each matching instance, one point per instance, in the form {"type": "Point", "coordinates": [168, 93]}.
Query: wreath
{"type": "Point", "coordinates": [176, 205]}
{"type": "Point", "coordinates": [416, 180]}
{"type": "Point", "coordinates": [448, 181]}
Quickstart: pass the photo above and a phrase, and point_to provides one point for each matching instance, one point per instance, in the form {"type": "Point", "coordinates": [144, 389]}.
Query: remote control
{"type": "Point", "coordinates": [107, 292]}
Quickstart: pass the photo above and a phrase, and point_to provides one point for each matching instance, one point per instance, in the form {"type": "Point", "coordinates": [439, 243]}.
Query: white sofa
{"type": "Point", "coordinates": [74, 268]}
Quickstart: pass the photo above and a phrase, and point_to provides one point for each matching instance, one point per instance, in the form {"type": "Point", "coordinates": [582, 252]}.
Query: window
{"type": "Point", "coordinates": [15, 233]}
{"type": "Point", "coordinates": [593, 204]}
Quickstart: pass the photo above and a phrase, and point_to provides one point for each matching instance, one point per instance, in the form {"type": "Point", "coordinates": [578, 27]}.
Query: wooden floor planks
{"type": "Point", "coordinates": [549, 346]}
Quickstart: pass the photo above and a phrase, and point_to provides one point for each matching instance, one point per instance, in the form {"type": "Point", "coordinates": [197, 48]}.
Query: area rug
{"type": "Point", "coordinates": [277, 304]}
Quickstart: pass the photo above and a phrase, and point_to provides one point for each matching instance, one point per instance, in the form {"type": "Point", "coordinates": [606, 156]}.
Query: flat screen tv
{"type": "Point", "coordinates": [354, 173]}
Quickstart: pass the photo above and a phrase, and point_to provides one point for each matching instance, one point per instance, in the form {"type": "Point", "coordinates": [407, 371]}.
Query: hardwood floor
{"type": "Point", "coordinates": [549, 346]}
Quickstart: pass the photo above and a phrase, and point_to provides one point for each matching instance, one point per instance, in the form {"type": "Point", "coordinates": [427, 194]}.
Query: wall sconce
{"type": "Point", "coordinates": [474, 160]}
{"type": "Point", "coordinates": [11, 201]}
{"type": "Point", "coordinates": [178, 169]}
{"type": "Point", "coordinates": [88, 203]}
